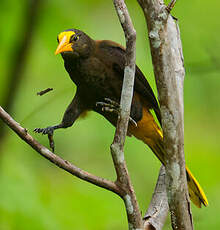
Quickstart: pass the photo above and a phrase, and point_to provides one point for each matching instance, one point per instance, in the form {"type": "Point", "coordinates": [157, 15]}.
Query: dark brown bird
{"type": "Point", "coordinates": [97, 69]}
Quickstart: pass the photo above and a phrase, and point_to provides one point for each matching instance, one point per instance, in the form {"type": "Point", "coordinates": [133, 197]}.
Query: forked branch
{"type": "Point", "coordinates": [55, 159]}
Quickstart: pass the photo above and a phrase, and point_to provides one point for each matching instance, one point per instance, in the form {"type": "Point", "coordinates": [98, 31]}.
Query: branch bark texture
{"type": "Point", "coordinates": [166, 51]}
{"type": "Point", "coordinates": [117, 147]}
{"type": "Point", "coordinates": [55, 159]}
{"type": "Point", "coordinates": [156, 214]}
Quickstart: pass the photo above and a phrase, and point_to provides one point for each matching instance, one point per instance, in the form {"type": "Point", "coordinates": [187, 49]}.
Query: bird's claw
{"type": "Point", "coordinates": [133, 121]}
{"type": "Point", "coordinates": [49, 130]}
{"type": "Point", "coordinates": [112, 106]}
{"type": "Point", "coordinates": [109, 106]}
{"type": "Point", "coordinates": [112, 103]}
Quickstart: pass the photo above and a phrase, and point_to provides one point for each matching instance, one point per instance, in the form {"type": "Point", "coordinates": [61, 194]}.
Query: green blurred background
{"type": "Point", "coordinates": [37, 195]}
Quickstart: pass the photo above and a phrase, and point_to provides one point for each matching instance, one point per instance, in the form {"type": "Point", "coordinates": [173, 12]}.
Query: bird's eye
{"type": "Point", "coordinates": [74, 38]}
{"type": "Point", "coordinates": [58, 39]}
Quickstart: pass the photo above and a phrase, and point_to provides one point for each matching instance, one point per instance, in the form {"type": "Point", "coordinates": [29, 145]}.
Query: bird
{"type": "Point", "coordinates": [97, 69]}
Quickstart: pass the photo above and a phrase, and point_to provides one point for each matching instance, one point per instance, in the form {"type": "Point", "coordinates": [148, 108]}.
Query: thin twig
{"type": "Point", "coordinates": [117, 147]}
{"type": "Point", "coordinates": [64, 164]}
{"type": "Point", "coordinates": [44, 91]}
{"type": "Point", "coordinates": [171, 5]}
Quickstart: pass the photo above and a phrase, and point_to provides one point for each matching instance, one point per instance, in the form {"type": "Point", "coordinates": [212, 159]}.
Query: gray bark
{"type": "Point", "coordinates": [167, 57]}
{"type": "Point", "coordinates": [158, 209]}
{"type": "Point", "coordinates": [117, 147]}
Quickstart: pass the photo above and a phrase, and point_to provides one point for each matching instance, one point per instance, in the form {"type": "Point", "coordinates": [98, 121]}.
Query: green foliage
{"type": "Point", "coordinates": [37, 195]}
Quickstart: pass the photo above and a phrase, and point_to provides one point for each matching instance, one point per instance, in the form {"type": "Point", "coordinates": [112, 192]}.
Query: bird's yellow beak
{"type": "Point", "coordinates": [64, 42]}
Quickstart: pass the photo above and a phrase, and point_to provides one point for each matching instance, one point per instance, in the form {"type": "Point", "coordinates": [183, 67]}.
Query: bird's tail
{"type": "Point", "coordinates": [148, 131]}
{"type": "Point", "coordinates": [196, 192]}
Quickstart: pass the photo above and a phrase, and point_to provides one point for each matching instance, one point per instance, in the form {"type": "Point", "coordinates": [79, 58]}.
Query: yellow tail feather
{"type": "Point", "coordinates": [148, 131]}
{"type": "Point", "coordinates": [196, 193]}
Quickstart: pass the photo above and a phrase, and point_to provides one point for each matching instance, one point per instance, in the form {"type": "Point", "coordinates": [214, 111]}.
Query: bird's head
{"type": "Point", "coordinates": [74, 43]}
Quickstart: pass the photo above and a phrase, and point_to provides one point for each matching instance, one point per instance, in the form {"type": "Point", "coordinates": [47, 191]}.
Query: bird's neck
{"type": "Point", "coordinates": [90, 49]}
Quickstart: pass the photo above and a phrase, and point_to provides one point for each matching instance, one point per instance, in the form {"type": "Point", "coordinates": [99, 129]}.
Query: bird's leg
{"type": "Point", "coordinates": [113, 107]}
{"type": "Point", "coordinates": [72, 112]}
{"type": "Point", "coordinates": [49, 131]}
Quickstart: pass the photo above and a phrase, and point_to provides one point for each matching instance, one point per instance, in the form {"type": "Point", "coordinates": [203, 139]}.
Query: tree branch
{"type": "Point", "coordinates": [117, 147]}
{"type": "Point", "coordinates": [166, 51]}
{"type": "Point", "coordinates": [171, 5]}
{"type": "Point", "coordinates": [64, 164]}
{"type": "Point", "coordinates": [158, 209]}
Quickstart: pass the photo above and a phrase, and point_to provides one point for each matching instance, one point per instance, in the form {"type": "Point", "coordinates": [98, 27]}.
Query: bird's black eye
{"type": "Point", "coordinates": [58, 39]}
{"type": "Point", "coordinates": [74, 38]}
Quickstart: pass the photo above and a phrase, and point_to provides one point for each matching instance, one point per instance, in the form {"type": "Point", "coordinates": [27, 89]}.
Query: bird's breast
{"type": "Point", "coordinates": [99, 80]}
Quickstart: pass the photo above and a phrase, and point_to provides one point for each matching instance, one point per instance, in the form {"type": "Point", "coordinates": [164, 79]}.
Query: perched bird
{"type": "Point", "coordinates": [97, 69]}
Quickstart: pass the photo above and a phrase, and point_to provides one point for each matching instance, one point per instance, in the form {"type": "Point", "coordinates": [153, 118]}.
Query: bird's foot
{"type": "Point", "coordinates": [109, 106]}
{"type": "Point", "coordinates": [49, 131]}
{"type": "Point", "coordinates": [113, 107]}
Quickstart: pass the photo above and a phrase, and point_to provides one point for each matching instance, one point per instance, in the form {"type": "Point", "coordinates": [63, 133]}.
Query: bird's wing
{"type": "Point", "coordinates": [115, 53]}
